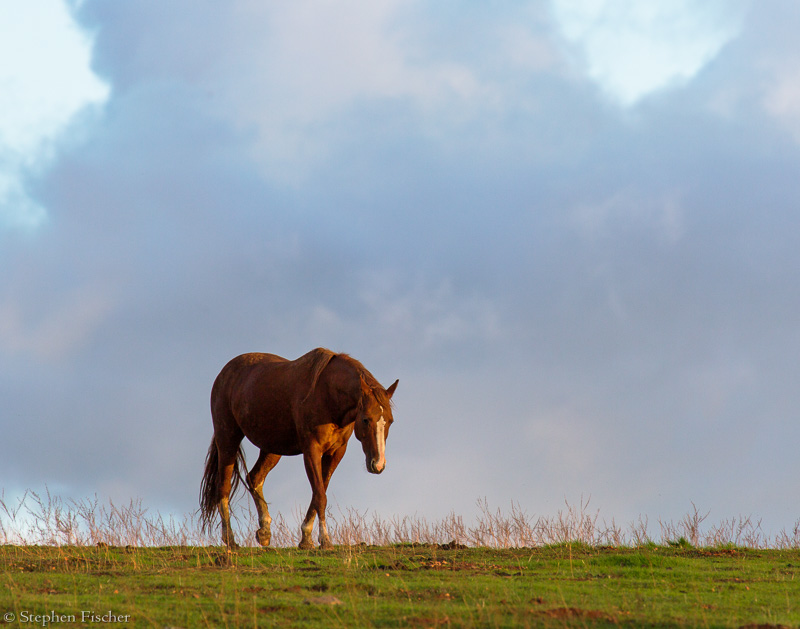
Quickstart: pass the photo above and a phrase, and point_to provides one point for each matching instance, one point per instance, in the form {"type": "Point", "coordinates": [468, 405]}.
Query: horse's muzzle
{"type": "Point", "coordinates": [375, 467]}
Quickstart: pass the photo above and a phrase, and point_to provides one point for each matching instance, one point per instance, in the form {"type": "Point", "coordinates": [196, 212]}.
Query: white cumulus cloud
{"type": "Point", "coordinates": [45, 79]}
{"type": "Point", "coordinates": [633, 48]}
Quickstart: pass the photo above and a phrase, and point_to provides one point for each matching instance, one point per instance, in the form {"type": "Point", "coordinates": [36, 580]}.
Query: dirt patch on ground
{"type": "Point", "coordinates": [426, 622]}
{"type": "Point", "coordinates": [713, 552]}
{"type": "Point", "coordinates": [565, 613]}
{"type": "Point", "coordinates": [454, 545]}
{"type": "Point", "coordinates": [326, 599]}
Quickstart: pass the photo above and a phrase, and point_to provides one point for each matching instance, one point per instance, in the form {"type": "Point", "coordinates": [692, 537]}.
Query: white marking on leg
{"type": "Point", "coordinates": [323, 531]}
{"type": "Point", "coordinates": [307, 528]}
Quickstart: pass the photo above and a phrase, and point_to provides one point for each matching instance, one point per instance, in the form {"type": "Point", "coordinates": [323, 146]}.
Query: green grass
{"type": "Point", "coordinates": [407, 585]}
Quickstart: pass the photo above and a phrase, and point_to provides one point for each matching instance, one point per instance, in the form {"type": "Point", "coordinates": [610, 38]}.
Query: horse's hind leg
{"type": "Point", "coordinates": [255, 482]}
{"type": "Point", "coordinates": [228, 452]}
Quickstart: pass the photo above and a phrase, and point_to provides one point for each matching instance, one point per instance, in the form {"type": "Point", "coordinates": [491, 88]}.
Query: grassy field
{"type": "Point", "coordinates": [68, 562]}
{"type": "Point", "coordinates": [402, 585]}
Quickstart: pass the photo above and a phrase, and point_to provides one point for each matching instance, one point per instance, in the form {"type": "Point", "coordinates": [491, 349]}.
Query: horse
{"type": "Point", "coordinates": [309, 406]}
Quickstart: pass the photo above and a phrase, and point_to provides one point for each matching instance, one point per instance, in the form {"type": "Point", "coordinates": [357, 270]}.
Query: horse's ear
{"type": "Point", "coordinates": [390, 390]}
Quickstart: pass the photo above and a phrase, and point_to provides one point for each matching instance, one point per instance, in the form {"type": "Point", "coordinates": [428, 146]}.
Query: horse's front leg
{"type": "Point", "coordinates": [312, 459]}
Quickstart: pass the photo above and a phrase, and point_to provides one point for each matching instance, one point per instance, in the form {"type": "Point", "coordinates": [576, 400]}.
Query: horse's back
{"type": "Point", "coordinates": [259, 393]}
{"type": "Point", "coordinates": [245, 375]}
{"type": "Point", "coordinates": [253, 358]}
{"type": "Point", "coordinates": [240, 368]}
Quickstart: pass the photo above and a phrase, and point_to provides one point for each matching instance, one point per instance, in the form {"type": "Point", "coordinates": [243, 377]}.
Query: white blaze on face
{"type": "Point", "coordinates": [380, 439]}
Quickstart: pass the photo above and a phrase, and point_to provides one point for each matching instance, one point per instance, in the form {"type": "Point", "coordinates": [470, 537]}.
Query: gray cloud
{"type": "Point", "coordinates": [577, 299]}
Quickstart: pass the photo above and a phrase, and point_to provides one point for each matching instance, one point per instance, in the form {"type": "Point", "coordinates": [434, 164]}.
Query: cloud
{"type": "Point", "coordinates": [299, 79]}
{"type": "Point", "coordinates": [16, 208]}
{"type": "Point", "coordinates": [603, 296]}
{"type": "Point", "coordinates": [320, 59]}
{"type": "Point", "coordinates": [633, 49]}
{"type": "Point", "coordinates": [63, 329]}
{"type": "Point", "coordinates": [629, 209]}
{"type": "Point", "coordinates": [44, 87]}
{"type": "Point", "coordinates": [783, 98]}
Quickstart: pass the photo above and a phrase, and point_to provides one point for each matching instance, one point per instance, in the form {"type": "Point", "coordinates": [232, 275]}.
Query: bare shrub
{"type": "Point", "coordinates": [47, 519]}
{"type": "Point", "coordinates": [739, 531]}
{"type": "Point", "coordinates": [786, 540]}
{"type": "Point", "coordinates": [639, 535]}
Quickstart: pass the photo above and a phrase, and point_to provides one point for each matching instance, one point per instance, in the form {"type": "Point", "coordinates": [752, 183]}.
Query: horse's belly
{"type": "Point", "coordinates": [276, 447]}
{"type": "Point", "coordinates": [273, 439]}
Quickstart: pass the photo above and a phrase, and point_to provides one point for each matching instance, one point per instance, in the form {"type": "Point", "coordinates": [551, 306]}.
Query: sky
{"type": "Point", "coordinates": [571, 228]}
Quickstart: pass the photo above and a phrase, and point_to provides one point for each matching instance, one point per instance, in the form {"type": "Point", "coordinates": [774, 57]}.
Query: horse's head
{"type": "Point", "coordinates": [372, 425]}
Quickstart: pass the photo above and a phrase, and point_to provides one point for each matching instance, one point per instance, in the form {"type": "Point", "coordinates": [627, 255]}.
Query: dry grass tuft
{"type": "Point", "coordinates": [50, 520]}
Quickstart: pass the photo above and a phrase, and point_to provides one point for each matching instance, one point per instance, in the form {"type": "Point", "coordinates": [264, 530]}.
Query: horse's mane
{"type": "Point", "coordinates": [320, 358]}
{"type": "Point", "coordinates": [371, 381]}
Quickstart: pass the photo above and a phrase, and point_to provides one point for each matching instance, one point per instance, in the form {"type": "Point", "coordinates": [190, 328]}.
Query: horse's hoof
{"type": "Point", "coordinates": [326, 545]}
{"type": "Point", "coordinates": [306, 545]}
{"type": "Point", "coordinates": [263, 537]}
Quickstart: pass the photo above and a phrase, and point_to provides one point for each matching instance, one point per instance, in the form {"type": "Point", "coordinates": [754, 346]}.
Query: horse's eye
{"type": "Point", "coordinates": [365, 420]}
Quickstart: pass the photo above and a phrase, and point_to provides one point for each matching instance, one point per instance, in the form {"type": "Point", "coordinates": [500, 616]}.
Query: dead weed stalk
{"type": "Point", "coordinates": [51, 520]}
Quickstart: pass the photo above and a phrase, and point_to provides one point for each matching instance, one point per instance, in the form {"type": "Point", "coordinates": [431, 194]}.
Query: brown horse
{"type": "Point", "coordinates": [308, 406]}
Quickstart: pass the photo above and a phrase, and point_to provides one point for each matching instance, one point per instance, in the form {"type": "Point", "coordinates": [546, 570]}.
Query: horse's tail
{"type": "Point", "coordinates": [209, 487]}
